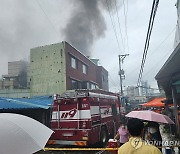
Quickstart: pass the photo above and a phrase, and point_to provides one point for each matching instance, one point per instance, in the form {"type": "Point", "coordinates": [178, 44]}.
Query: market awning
{"type": "Point", "coordinates": [177, 83]}
{"type": "Point", "coordinates": [42, 102]}
{"type": "Point", "coordinates": [157, 102]}
{"type": "Point", "coordinates": [169, 72]}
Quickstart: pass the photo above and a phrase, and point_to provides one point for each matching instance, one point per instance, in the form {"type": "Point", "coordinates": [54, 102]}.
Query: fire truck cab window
{"type": "Point", "coordinates": [114, 109]}
{"type": "Point", "coordinates": [54, 116]}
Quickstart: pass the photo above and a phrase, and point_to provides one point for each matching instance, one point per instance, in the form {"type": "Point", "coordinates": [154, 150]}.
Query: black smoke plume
{"type": "Point", "coordinates": [86, 24]}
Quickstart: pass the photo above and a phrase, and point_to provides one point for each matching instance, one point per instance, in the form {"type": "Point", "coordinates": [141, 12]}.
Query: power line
{"type": "Point", "coordinates": [169, 34]}
{"type": "Point", "coordinates": [119, 26]}
{"type": "Point", "coordinates": [158, 62]}
{"type": "Point", "coordinates": [147, 87]}
{"type": "Point", "coordinates": [147, 42]}
{"type": "Point", "coordinates": [113, 25]}
{"type": "Point", "coordinates": [127, 8]}
{"type": "Point", "coordinates": [150, 34]}
{"type": "Point", "coordinates": [162, 42]}
{"type": "Point", "coordinates": [112, 81]}
{"type": "Point", "coordinates": [126, 28]}
{"type": "Point", "coordinates": [112, 14]}
{"type": "Point", "coordinates": [47, 17]}
{"type": "Point", "coordinates": [125, 18]}
{"type": "Point", "coordinates": [151, 21]}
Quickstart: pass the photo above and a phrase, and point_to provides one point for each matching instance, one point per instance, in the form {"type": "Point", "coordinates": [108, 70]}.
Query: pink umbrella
{"type": "Point", "coordinates": [150, 116]}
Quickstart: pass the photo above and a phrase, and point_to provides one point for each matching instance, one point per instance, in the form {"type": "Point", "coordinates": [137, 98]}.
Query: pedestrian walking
{"type": "Point", "coordinates": [122, 135]}
{"type": "Point", "coordinates": [136, 145]}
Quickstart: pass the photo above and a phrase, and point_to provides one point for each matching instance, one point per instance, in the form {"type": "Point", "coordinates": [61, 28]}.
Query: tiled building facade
{"type": "Point", "coordinates": [59, 67]}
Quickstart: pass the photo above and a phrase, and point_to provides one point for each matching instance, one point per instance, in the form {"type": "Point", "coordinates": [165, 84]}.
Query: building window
{"type": "Point", "coordinates": [84, 68]}
{"type": "Point", "coordinates": [84, 85]}
{"type": "Point", "coordinates": [103, 78]}
{"type": "Point", "coordinates": [93, 86]}
{"type": "Point", "coordinates": [74, 84]}
{"type": "Point", "coordinates": [74, 63]}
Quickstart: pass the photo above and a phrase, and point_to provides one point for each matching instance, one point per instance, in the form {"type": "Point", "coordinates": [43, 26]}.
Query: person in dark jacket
{"type": "Point", "coordinates": [154, 135]}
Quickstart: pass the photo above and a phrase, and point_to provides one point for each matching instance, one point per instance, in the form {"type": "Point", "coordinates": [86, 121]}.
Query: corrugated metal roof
{"type": "Point", "coordinates": [43, 102]}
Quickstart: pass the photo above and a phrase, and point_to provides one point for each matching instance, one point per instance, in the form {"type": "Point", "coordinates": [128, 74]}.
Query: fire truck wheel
{"type": "Point", "coordinates": [104, 136]}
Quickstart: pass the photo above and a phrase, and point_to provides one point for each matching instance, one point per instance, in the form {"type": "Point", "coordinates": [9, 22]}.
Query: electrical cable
{"type": "Point", "coordinates": [119, 26]}
{"type": "Point", "coordinates": [151, 21]}
{"type": "Point", "coordinates": [47, 17]}
{"type": "Point", "coordinates": [125, 18]}
{"type": "Point", "coordinates": [158, 62]}
{"type": "Point", "coordinates": [112, 81]}
{"type": "Point", "coordinates": [113, 25]}
{"type": "Point", "coordinates": [169, 34]}
{"type": "Point", "coordinates": [149, 36]}
{"type": "Point", "coordinates": [154, 51]}
{"type": "Point", "coordinates": [127, 30]}
{"type": "Point", "coordinates": [147, 42]}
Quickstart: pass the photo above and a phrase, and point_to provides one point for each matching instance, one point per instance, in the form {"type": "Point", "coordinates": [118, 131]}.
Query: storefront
{"type": "Point", "coordinates": [38, 108]}
{"type": "Point", "coordinates": [168, 79]}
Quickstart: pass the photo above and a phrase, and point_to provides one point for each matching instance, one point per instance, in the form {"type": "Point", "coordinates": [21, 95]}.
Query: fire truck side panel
{"type": "Point", "coordinates": [94, 136]}
{"type": "Point", "coordinates": [95, 113]}
{"type": "Point", "coordinates": [74, 122]}
{"type": "Point", "coordinates": [79, 121]}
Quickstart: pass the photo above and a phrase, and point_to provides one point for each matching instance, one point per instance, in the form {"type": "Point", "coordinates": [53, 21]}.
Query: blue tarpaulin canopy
{"type": "Point", "coordinates": [43, 102]}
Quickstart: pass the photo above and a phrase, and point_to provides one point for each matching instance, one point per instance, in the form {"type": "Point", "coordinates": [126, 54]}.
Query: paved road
{"type": "Point", "coordinates": [167, 137]}
{"type": "Point", "coordinates": [70, 152]}
{"type": "Point", "coordinates": [74, 152]}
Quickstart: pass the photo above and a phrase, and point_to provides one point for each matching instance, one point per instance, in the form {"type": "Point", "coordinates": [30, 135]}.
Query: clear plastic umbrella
{"type": "Point", "coordinates": [22, 135]}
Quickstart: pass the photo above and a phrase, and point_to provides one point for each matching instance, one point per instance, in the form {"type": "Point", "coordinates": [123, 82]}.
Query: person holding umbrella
{"type": "Point", "coordinates": [150, 116]}
{"type": "Point", "coordinates": [153, 133]}
{"type": "Point", "coordinates": [136, 145]}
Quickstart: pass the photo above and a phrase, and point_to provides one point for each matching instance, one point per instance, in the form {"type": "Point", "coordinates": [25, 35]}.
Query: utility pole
{"type": "Point", "coordinates": [121, 72]}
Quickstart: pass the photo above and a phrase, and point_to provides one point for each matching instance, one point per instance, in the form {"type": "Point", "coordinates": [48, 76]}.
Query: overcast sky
{"type": "Point", "coordinates": [87, 24]}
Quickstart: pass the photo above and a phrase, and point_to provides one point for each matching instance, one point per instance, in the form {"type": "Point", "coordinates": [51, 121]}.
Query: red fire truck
{"type": "Point", "coordinates": [84, 117]}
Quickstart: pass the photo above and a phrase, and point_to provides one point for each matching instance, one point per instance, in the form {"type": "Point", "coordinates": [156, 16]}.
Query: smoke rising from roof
{"type": "Point", "coordinates": [86, 24]}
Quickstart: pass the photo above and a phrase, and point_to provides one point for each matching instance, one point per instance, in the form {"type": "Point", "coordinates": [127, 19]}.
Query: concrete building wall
{"type": "Point", "coordinates": [144, 91]}
{"type": "Point", "coordinates": [1, 84]}
{"type": "Point", "coordinates": [17, 75]}
{"type": "Point", "coordinates": [11, 84]}
{"type": "Point", "coordinates": [132, 91]}
{"type": "Point", "coordinates": [17, 67]}
{"type": "Point", "coordinates": [47, 70]}
{"type": "Point", "coordinates": [15, 93]}
{"type": "Point", "coordinates": [59, 67]}
{"type": "Point", "coordinates": [102, 78]}
{"type": "Point", "coordinates": [28, 76]}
